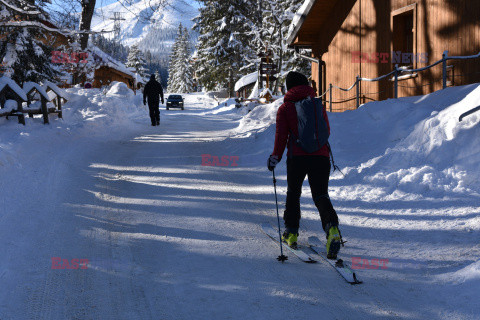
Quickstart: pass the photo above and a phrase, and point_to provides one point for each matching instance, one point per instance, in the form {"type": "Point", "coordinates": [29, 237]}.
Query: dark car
{"type": "Point", "coordinates": [175, 101]}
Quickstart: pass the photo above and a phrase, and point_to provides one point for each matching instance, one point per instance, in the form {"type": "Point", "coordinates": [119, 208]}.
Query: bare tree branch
{"type": "Point", "coordinates": [35, 24]}
{"type": "Point", "coordinates": [14, 8]}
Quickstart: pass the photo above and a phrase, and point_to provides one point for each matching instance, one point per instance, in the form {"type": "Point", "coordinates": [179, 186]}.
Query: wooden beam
{"type": "Point", "coordinates": [333, 23]}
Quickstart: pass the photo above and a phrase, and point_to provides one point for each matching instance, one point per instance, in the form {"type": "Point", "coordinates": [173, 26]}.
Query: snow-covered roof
{"type": "Point", "coordinates": [246, 80]}
{"type": "Point", "coordinates": [298, 20]}
{"type": "Point", "coordinates": [28, 86]}
{"type": "Point", "coordinates": [6, 81]}
{"type": "Point", "coordinates": [265, 92]}
{"type": "Point", "coordinates": [59, 92]}
{"type": "Point", "coordinates": [107, 60]}
{"type": "Point", "coordinates": [254, 93]}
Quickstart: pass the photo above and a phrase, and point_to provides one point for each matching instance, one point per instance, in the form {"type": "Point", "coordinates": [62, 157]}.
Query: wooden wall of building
{"type": "Point", "coordinates": [105, 75]}
{"type": "Point", "coordinates": [439, 25]}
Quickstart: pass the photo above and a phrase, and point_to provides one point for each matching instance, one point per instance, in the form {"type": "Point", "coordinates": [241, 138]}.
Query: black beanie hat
{"type": "Point", "coordinates": [152, 77]}
{"type": "Point", "coordinates": [295, 79]}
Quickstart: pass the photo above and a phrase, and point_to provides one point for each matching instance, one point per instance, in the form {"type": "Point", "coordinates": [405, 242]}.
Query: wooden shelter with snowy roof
{"type": "Point", "coordinates": [11, 99]}
{"type": "Point", "coordinates": [245, 85]}
{"type": "Point", "coordinates": [37, 100]}
{"type": "Point", "coordinates": [57, 95]}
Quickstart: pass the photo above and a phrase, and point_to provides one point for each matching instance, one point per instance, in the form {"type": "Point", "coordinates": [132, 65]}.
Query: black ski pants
{"type": "Point", "coordinates": [154, 112]}
{"type": "Point", "coordinates": [317, 168]}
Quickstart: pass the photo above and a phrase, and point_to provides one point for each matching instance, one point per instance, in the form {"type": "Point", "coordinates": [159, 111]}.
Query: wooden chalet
{"type": "Point", "coordinates": [106, 69]}
{"type": "Point", "coordinates": [366, 38]}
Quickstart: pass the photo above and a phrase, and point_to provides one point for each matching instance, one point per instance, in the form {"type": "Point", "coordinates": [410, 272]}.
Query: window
{"type": "Point", "coordinates": [404, 37]}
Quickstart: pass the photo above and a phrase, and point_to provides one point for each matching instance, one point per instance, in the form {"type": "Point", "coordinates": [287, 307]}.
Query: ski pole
{"type": "Point", "coordinates": [281, 257]}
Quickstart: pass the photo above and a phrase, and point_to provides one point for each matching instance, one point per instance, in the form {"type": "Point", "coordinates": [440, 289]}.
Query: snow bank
{"type": "Point", "coordinates": [410, 147]}
{"type": "Point", "coordinates": [259, 119]}
{"type": "Point", "coordinates": [119, 89]}
{"type": "Point", "coordinates": [466, 281]}
{"type": "Point", "coordinates": [418, 145]}
{"type": "Point", "coordinates": [92, 109]}
{"type": "Point", "coordinates": [89, 113]}
{"type": "Point", "coordinates": [469, 273]}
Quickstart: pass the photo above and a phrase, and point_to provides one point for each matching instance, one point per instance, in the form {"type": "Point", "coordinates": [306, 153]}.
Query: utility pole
{"type": "Point", "coordinates": [117, 17]}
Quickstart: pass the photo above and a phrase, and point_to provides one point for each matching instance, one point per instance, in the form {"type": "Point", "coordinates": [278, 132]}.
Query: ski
{"type": "Point", "coordinates": [318, 247]}
{"type": "Point", "coordinates": [273, 234]}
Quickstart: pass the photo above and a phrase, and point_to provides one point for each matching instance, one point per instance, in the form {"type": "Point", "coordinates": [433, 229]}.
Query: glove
{"type": "Point", "coordinates": [144, 102]}
{"type": "Point", "coordinates": [163, 102]}
{"type": "Point", "coordinates": [272, 162]}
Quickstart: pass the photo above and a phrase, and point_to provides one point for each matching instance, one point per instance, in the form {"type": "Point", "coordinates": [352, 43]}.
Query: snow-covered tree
{"type": "Point", "coordinates": [25, 52]}
{"type": "Point", "coordinates": [136, 61]}
{"type": "Point", "coordinates": [181, 69]}
{"type": "Point", "coordinates": [172, 74]}
{"type": "Point", "coordinates": [224, 46]}
{"type": "Point", "coordinates": [272, 32]}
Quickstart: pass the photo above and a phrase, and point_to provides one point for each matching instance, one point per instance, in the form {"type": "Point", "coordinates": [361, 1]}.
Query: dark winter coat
{"type": "Point", "coordinates": [287, 122]}
{"type": "Point", "coordinates": [153, 89]}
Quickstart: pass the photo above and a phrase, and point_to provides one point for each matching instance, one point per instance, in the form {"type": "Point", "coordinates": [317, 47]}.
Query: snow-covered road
{"type": "Point", "coordinates": [168, 238]}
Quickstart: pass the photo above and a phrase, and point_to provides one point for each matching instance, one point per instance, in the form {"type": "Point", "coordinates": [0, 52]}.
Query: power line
{"type": "Point", "coordinates": [117, 17]}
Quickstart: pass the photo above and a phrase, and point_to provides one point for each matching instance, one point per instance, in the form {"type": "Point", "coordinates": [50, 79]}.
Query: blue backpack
{"type": "Point", "coordinates": [312, 127]}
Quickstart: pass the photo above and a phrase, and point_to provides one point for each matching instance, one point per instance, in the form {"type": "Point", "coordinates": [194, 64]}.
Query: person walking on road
{"type": "Point", "coordinates": [152, 92]}
{"type": "Point", "coordinates": [314, 162]}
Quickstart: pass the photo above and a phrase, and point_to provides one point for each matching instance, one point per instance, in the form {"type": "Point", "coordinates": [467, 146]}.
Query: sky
{"type": "Point", "coordinates": [102, 3]}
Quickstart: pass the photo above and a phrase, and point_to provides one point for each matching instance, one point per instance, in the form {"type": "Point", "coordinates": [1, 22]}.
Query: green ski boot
{"type": "Point", "coordinates": [333, 242]}
{"type": "Point", "coordinates": [290, 239]}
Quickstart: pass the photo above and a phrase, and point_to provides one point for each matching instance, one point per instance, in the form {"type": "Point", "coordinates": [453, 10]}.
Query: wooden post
{"type": "Point", "coordinates": [331, 97]}
{"type": "Point", "coordinates": [358, 91]}
{"type": "Point", "coordinates": [44, 110]}
{"type": "Point", "coordinates": [59, 107]}
{"type": "Point", "coordinates": [21, 116]}
{"type": "Point", "coordinates": [30, 115]}
{"type": "Point", "coordinates": [396, 82]}
{"type": "Point", "coordinates": [444, 69]}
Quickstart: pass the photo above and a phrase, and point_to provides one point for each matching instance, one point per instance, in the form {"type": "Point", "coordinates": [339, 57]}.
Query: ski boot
{"type": "Point", "coordinates": [334, 240]}
{"type": "Point", "coordinates": [290, 239]}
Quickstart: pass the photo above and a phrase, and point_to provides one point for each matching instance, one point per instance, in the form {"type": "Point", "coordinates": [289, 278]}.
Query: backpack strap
{"type": "Point", "coordinates": [335, 167]}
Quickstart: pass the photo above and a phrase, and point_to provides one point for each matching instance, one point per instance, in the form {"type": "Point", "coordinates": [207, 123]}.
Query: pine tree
{"type": "Point", "coordinates": [180, 69]}
{"type": "Point", "coordinates": [183, 67]}
{"type": "Point", "coordinates": [136, 61]}
{"type": "Point", "coordinates": [173, 81]}
{"type": "Point", "coordinates": [23, 54]}
{"type": "Point", "coordinates": [225, 51]}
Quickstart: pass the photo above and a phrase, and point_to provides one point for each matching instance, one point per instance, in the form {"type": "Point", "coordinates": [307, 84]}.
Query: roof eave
{"type": "Point", "coordinates": [303, 15]}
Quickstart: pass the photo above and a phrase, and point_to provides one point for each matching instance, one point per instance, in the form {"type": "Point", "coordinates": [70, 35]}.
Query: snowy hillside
{"type": "Point", "coordinates": [141, 19]}
{"type": "Point", "coordinates": [168, 237]}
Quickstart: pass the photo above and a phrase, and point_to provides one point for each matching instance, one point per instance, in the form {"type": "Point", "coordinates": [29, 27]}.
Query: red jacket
{"type": "Point", "coordinates": [287, 122]}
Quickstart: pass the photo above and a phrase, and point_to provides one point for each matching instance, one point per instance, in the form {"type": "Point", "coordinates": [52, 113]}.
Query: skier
{"type": "Point", "coordinates": [153, 89]}
{"type": "Point", "coordinates": [300, 163]}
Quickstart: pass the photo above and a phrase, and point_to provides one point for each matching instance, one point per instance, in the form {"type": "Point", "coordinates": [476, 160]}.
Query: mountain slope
{"type": "Point", "coordinates": [142, 17]}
